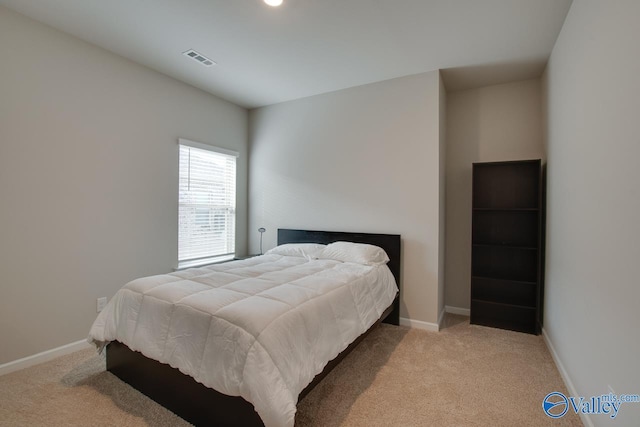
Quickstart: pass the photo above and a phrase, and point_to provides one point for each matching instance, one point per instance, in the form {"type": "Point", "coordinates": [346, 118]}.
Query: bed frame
{"type": "Point", "coordinates": [201, 405]}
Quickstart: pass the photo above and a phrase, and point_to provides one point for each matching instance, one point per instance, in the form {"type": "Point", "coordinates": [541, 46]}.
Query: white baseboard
{"type": "Point", "coordinates": [441, 319]}
{"type": "Point", "coordinates": [45, 356]}
{"type": "Point", "coordinates": [457, 310]}
{"type": "Point", "coordinates": [419, 324]}
{"type": "Point", "coordinates": [565, 375]}
{"type": "Point", "coordinates": [433, 327]}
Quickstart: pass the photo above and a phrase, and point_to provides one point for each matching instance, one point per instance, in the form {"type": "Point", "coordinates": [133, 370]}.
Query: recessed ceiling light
{"type": "Point", "coordinates": [273, 3]}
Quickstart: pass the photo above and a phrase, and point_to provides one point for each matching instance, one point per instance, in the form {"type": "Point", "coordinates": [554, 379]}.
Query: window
{"type": "Point", "coordinates": [206, 204]}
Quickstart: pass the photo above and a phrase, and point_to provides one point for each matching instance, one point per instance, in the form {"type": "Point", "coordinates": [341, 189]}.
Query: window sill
{"type": "Point", "coordinates": [202, 262]}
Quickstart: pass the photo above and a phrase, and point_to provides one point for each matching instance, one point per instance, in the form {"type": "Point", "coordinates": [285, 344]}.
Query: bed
{"type": "Point", "coordinates": [288, 368]}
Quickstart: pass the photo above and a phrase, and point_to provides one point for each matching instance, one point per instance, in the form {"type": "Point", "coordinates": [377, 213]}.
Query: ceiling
{"type": "Point", "coordinates": [268, 55]}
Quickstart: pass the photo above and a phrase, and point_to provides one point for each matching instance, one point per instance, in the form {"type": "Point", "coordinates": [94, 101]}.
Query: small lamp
{"type": "Point", "coordinates": [261, 230]}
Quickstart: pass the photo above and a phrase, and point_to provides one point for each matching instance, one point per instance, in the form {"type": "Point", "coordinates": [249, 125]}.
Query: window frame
{"type": "Point", "coordinates": [196, 262]}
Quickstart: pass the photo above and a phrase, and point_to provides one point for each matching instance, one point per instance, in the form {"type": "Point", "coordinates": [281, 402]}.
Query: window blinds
{"type": "Point", "coordinates": [206, 203]}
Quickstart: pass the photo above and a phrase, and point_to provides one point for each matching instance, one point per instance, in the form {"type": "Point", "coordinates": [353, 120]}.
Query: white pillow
{"type": "Point", "coordinates": [359, 253]}
{"type": "Point", "coordinates": [305, 250]}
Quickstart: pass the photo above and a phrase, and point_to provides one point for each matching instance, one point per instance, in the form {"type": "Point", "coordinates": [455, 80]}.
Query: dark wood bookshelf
{"type": "Point", "coordinates": [507, 245]}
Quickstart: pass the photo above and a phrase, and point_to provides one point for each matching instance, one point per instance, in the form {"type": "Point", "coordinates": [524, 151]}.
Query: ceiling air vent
{"type": "Point", "coordinates": [196, 56]}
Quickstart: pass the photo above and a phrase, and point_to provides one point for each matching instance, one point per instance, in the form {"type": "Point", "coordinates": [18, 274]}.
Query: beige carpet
{"type": "Point", "coordinates": [462, 376]}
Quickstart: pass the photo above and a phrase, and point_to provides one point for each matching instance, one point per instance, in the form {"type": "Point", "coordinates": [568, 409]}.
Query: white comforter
{"type": "Point", "coordinates": [260, 328]}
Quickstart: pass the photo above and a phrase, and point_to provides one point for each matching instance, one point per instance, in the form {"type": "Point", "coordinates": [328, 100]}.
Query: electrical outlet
{"type": "Point", "coordinates": [101, 304]}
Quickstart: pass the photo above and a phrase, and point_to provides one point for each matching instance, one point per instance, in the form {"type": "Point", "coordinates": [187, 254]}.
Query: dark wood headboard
{"type": "Point", "coordinates": [389, 242]}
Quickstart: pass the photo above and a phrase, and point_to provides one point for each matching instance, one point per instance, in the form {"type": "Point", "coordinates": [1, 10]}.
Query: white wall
{"type": "Point", "coordinates": [593, 233]}
{"type": "Point", "coordinates": [360, 159]}
{"type": "Point", "coordinates": [442, 215]}
{"type": "Point", "coordinates": [493, 123]}
{"type": "Point", "coordinates": [88, 178]}
{"type": "Point", "coordinates": [593, 142]}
